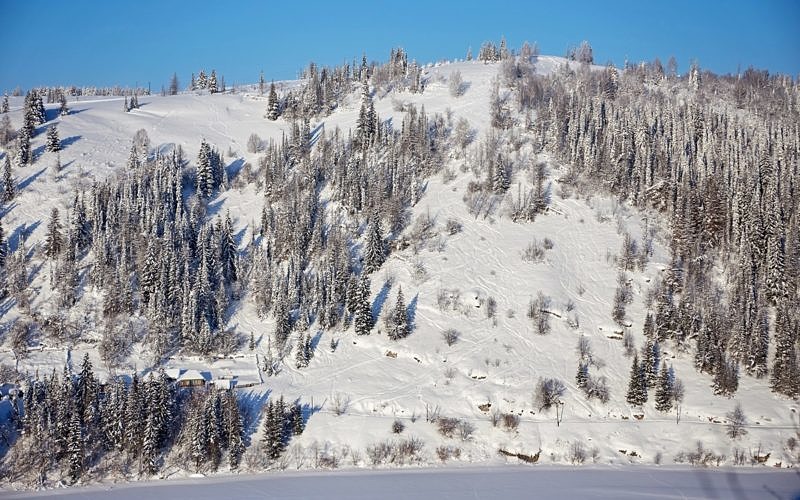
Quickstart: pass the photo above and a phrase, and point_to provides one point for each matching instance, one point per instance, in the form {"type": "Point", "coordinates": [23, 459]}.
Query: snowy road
{"type": "Point", "coordinates": [505, 483]}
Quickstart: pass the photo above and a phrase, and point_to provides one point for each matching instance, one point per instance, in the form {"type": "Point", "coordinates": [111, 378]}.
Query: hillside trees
{"type": "Point", "coordinates": [726, 204]}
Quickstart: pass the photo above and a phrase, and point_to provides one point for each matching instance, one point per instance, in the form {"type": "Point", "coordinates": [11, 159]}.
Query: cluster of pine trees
{"type": "Point", "coordinates": [718, 157]}
{"type": "Point", "coordinates": [204, 82]}
{"type": "Point", "coordinates": [75, 423]}
{"type": "Point", "coordinates": [70, 422]}
{"type": "Point", "coordinates": [281, 423]}
{"type": "Point", "coordinates": [33, 115]}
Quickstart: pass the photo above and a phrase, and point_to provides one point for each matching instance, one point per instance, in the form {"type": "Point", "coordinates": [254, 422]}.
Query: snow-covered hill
{"type": "Point", "coordinates": [495, 364]}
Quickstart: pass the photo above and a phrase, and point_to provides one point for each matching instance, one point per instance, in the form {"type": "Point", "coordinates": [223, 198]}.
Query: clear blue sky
{"type": "Point", "coordinates": [116, 42]}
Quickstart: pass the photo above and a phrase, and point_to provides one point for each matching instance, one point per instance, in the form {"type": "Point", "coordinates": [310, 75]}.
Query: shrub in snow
{"type": "Point", "coordinates": [453, 226]}
{"type": "Point", "coordinates": [577, 453]}
{"type": "Point", "coordinates": [549, 392]}
{"type": "Point", "coordinates": [339, 403]}
{"type": "Point", "coordinates": [398, 426]}
{"type": "Point", "coordinates": [447, 426]}
{"type": "Point", "coordinates": [447, 452]}
{"type": "Point", "coordinates": [254, 144]}
{"type": "Point", "coordinates": [457, 84]}
{"type": "Point", "coordinates": [465, 430]}
{"type": "Point", "coordinates": [538, 311]}
{"type": "Point", "coordinates": [450, 336]}
{"type": "Point", "coordinates": [510, 421]}
{"type": "Point", "coordinates": [736, 422]}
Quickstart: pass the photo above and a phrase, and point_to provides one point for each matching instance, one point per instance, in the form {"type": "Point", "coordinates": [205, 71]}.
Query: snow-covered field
{"type": "Point", "coordinates": [508, 483]}
{"type": "Point", "coordinates": [496, 361]}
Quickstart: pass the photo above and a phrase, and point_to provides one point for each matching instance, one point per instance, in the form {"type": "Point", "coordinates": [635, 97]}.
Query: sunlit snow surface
{"type": "Point", "coordinates": [495, 361]}
{"type": "Point", "coordinates": [507, 483]}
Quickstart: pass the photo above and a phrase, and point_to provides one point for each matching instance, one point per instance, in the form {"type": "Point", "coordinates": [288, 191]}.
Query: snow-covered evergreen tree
{"type": "Point", "coordinates": [785, 376]}
{"type": "Point", "coordinates": [173, 84]}
{"type": "Point", "coordinates": [205, 176]}
{"type": "Point", "coordinates": [54, 241]}
{"type": "Point", "coordinates": [235, 430]}
{"type": "Point", "coordinates": [53, 142]}
{"type": "Point", "coordinates": [637, 384]}
{"type": "Point", "coordinates": [363, 307]}
{"type": "Point", "coordinates": [23, 156]}
{"type": "Point", "coordinates": [9, 187]}
{"type": "Point", "coordinates": [665, 389]}
{"type": "Point", "coordinates": [375, 249]}
{"type": "Point", "coordinates": [212, 82]}
{"type": "Point", "coordinates": [296, 422]}
{"type": "Point", "coordinates": [582, 376]}
{"type": "Point", "coordinates": [273, 106]}
{"type": "Point", "coordinates": [398, 329]}
{"type": "Point", "coordinates": [150, 445]}
{"type": "Point", "coordinates": [228, 252]}
{"type": "Point", "coordinates": [75, 448]}
{"type": "Point", "coordinates": [63, 109]}
{"type": "Point", "coordinates": [273, 437]}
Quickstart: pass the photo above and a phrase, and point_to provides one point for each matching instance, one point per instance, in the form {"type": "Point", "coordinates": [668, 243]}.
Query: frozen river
{"type": "Point", "coordinates": [505, 483]}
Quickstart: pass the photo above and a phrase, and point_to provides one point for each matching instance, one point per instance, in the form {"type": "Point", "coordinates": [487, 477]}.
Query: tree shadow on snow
{"type": "Point", "coordinates": [238, 236]}
{"type": "Point", "coordinates": [316, 133]}
{"type": "Point", "coordinates": [250, 404]}
{"type": "Point", "coordinates": [234, 168]}
{"type": "Point", "coordinates": [315, 340]}
{"type": "Point", "coordinates": [213, 208]}
{"type": "Point", "coordinates": [49, 115]}
{"type": "Point", "coordinates": [411, 310]}
{"type": "Point", "coordinates": [20, 234]}
{"type": "Point", "coordinates": [307, 410]}
{"type": "Point", "coordinates": [7, 208]}
{"type": "Point", "coordinates": [380, 299]}
{"type": "Point", "coordinates": [6, 305]}
{"type": "Point", "coordinates": [27, 182]}
{"type": "Point", "coordinates": [69, 141]}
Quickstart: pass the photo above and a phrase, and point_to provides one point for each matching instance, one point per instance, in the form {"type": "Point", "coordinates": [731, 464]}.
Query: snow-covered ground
{"type": "Point", "coordinates": [508, 483]}
{"type": "Point", "coordinates": [495, 361]}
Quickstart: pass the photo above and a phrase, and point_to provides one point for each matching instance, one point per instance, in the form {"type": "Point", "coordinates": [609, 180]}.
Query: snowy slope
{"type": "Point", "coordinates": [497, 362]}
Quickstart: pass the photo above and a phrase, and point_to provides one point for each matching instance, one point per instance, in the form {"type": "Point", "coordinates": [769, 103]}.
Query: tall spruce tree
{"type": "Point", "coordinates": [363, 308]}
{"type": "Point", "coordinates": [3, 247]}
{"type": "Point", "coordinates": [399, 321]}
{"type": "Point", "coordinates": [173, 84]}
{"type": "Point", "coordinates": [637, 384]}
{"type": "Point", "coordinates": [63, 109]}
{"type": "Point", "coordinates": [212, 82]}
{"type": "Point", "coordinates": [235, 430]}
{"type": "Point", "coordinates": [54, 241]}
{"type": "Point", "coordinates": [150, 445]}
{"type": "Point", "coordinates": [75, 448]}
{"type": "Point", "coordinates": [53, 142]}
{"type": "Point", "coordinates": [23, 156]}
{"type": "Point", "coordinates": [205, 174]}
{"type": "Point", "coordinates": [785, 376]}
{"type": "Point", "coordinates": [273, 106]}
{"type": "Point", "coordinates": [664, 391]}
{"type": "Point", "coordinates": [375, 251]}
{"type": "Point", "coordinates": [9, 188]}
